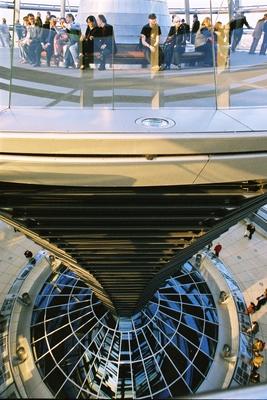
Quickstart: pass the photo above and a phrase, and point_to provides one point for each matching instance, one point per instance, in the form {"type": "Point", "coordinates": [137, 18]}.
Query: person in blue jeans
{"type": "Point", "coordinates": [264, 42]}
{"type": "Point", "coordinates": [236, 29]}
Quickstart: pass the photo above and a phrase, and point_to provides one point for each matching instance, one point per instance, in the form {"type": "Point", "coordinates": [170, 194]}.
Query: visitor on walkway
{"type": "Point", "coordinates": [262, 299]}
{"type": "Point", "coordinates": [195, 28]}
{"type": "Point", "coordinates": [217, 249]}
{"type": "Point", "coordinates": [264, 42]}
{"type": "Point", "coordinates": [257, 34]}
{"type": "Point", "coordinates": [28, 254]}
{"type": "Point", "coordinates": [254, 329]}
{"type": "Point", "coordinates": [250, 229]}
{"type": "Point", "coordinates": [254, 377]}
{"type": "Point", "coordinates": [258, 345]}
{"type": "Point", "coordinates": [236, 29]}
{"type": "Point", "coordinates": [251, 308]}
{"type": "Point", "coordinates": [257, 361]}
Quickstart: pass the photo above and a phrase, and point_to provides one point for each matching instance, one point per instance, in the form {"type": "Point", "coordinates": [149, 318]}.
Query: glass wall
{"type": "Point", "coordinates": [141, 62]}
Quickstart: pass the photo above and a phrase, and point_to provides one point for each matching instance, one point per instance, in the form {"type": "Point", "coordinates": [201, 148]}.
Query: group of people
{"type": "Point", "coordinates": [209, 40]}
{"type": "Point", "coordinates": [257, 359]}
{"type": "Point", "coordinates": [258, 344]}
{"type": "Point", "coordinates": [260, 28]}
{"type": "Point", "coordinates": [261, 300]}
{"type": "Point", "coordinates": [63, 39]}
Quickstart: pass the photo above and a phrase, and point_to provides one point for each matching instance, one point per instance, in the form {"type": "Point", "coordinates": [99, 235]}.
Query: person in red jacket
{"type": "Point", "coordinates": [217, 249]}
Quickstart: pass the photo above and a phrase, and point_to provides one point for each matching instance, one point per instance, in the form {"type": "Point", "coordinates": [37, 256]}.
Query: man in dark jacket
{"type": "Point", "coordinates": [106, 42]}
{"type": "Point", "coordinates": [47, 39]}
{"type": "Point", "coordinates": [186, 28]}
{"type": "Point", "coordinates": [195, 28]}
{"type": "Point", "coordinates": [236, 29]}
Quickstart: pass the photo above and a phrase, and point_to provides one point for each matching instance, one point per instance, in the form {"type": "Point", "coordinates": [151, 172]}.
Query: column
{"type": "Point", "coordinates": [187, 11]}
{"type": "Point", "coordinates": [62, 8]}
{"type": "Point", "coordinates": [16, 9]}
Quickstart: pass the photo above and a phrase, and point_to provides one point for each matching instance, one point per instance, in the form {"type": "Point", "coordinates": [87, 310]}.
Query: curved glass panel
{"type": "Point", "coordinates": [164, 351]}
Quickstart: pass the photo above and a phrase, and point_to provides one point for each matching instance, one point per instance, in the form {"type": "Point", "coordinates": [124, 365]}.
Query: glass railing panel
{"type": "Point", "coordinates": [172, 74]}
{"type": "Point", "coordinates": [96, 49]}
{"type": "Point", "coordinates": [248, 44]}
{"type": "Point", "coordinates": [6, 40]}
{"type": "Point", "coordinates": [220, 21]}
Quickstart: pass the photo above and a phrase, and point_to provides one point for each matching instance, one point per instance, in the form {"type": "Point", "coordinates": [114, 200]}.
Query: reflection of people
{"type": "Point", "coordinates": [257, 34]}
{"type": "Point", "coordinates": [87, 42]}
{"type": "Point", "coordinates": [175, 43]}
{"type": "Point", "coordinates": [236, 29]}
{"type": "Point", "coordinates": [195, 28]}
{"type": "Point", "coordinates": [4, 33]}
{"type": "Point", "coordinates": [106, 42]}
{"type": "Point", "coordinates": [150, 36]}
{"type": "Point", "coordinates": [264, 42]}
{"type": "Point", "coordinates": [220, 46]}
{"type": "Point", "coordinates": [203, 41]}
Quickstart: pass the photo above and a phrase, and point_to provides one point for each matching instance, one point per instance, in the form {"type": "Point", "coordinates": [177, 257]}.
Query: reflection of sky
{"type": "Point", "coordinates": [252, 18]}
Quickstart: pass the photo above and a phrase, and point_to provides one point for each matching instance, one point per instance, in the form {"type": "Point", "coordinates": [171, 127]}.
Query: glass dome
{"type": "Point", "coordinates": [83, 351]}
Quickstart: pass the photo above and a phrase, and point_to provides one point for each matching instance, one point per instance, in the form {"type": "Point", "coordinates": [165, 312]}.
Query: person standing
{"type": "Point", "coordinates": [264, 42]}
{"type": "Point", "coordinates": [257, 34]}
{"type": "Point", "coordinates": [250, 229]}
{"type": "Point", "coordinates": [150, 37]}
{"type": "Point", "coordinates": [4, 33]}
{"type": "Point", "coordinates": [195, 28]}
{"type": "Point", "coordinates": [20, 30]}
{"type": "Point", "coordinates": [236, 29]}
{"type": "Point", "coordinates": [262, 299]}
